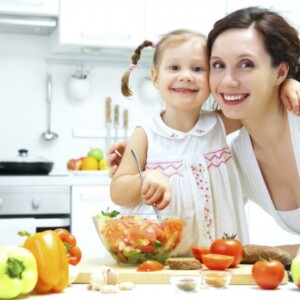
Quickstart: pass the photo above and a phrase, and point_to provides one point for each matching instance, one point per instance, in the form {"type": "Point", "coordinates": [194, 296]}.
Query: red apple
{"type": "Point", "coordinates": [74, 164]}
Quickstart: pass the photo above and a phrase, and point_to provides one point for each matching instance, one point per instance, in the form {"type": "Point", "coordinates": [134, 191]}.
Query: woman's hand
{"type": "Point", "coordinates": [290, 95]}
{"type": "Point", "coordinates": [114, 156]}
{"type": "Point", "coordinates": [156, 189]}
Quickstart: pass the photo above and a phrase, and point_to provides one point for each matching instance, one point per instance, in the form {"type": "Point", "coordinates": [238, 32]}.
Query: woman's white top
{"type": "Point", "coordinates": [252, 179]}
{"type": "Point", "coordinates": [203, 176]}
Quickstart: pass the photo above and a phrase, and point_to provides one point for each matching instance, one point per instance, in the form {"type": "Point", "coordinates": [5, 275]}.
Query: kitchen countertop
{"type": "Point", "coordinates": [165, 291]}
{"type": "Point", "coordinates": [69, 178]}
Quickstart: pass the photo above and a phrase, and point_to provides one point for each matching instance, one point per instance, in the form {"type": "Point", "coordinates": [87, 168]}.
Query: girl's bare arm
{"type": "Point", "coordinates": [125, 188]}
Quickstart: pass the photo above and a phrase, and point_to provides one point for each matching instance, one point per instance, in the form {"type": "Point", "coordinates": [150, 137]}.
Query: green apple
{"type": "Point", "coordinates": [295, 270]}
{"type": "Point", "coordinates": [96, 153]}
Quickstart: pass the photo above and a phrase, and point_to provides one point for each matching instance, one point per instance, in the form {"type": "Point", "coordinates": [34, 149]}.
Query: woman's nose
{"type": "Point", "coordinates": [230, 79]}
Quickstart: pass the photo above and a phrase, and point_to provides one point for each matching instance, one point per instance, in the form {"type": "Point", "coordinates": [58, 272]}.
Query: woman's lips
{"type": "Point", "coordinates": [233, 99]}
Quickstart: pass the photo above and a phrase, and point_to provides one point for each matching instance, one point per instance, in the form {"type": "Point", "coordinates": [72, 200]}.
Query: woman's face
{"type": "Point", "coordinates": [242, 78]}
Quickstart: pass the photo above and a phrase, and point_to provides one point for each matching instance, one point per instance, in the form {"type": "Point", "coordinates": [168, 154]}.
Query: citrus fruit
{"type": "Point", "coordinates": [89, 164]}
{"type": "Point", "coordinates": [103, 165]}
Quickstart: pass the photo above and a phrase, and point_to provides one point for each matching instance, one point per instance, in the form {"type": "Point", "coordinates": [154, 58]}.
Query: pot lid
{"type": "Point", "coordinates": [23, 156]}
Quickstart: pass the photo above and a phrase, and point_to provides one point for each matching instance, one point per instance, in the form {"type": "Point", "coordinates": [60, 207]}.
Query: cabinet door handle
{"type": "Point", "coordinates": [1, 202]}
{"type": "Point", "coordinates": [36, 202]}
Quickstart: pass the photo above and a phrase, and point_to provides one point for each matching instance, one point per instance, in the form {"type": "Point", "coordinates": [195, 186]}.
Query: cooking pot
{"type": "Point", "coordinates": [23, 164]}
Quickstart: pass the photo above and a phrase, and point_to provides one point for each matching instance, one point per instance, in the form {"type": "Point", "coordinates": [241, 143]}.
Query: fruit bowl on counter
{"type": "Point", "coordinates": [134, 239]}
{"type": "Point", "coordinates": [94, 161]}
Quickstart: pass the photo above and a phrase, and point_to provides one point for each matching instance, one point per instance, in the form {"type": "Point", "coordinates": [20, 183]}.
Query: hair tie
{"type": "Point", "coordinates": [132, 66]}
{"type": "Point", "coordinates": [154, 45]}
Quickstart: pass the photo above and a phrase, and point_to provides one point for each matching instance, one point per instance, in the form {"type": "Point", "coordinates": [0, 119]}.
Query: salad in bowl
{"type": "Point", "coordinates": [134, 239]}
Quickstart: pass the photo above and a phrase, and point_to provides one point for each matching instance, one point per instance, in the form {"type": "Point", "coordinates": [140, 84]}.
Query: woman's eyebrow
{"type": "Point", "coordinates": [214, 57]}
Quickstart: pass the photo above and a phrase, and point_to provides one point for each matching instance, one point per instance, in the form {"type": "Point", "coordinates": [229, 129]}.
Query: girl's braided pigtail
{"type": "Point", "coordinates": [134, 60]}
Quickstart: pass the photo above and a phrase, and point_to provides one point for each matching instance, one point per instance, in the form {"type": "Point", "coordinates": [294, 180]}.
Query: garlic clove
{"type": "Point", "coordinates": [97, 280]}
{"type": "Point", "coordinates": [109, 289]}
{"type": "Point", "coordinates": [126, 286]}
{"type": "Point", "coordinates": [112, 277]}
{"type": "Point", "coordinates": [103, 276]}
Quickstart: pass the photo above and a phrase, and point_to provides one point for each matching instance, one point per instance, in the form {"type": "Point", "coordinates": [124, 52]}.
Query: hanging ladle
{"type": "Point", "coordinates": [49, 135]}
{"type": "Point", "coordinates": [157, 212]}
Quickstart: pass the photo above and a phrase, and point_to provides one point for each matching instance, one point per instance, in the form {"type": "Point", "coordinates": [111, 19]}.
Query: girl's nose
{"type": "Point", "coordinates": [185, 75]}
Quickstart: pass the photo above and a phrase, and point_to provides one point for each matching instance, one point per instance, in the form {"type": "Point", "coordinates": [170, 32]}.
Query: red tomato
{"type": "Point", "coordinates": [228, 245]}
{"type": "Point", "coordinates": [146, 248]}
{"type": "Point", "coordinates": [217, 261]}
{"type": "Point", "coordinates": [198, 251]}
{"type": "Point", "coordinates": [143, 231]}
{"type": "Point", "coordinates": [149, 266]}
{"type": "Point", "coordinates": [268, 274]}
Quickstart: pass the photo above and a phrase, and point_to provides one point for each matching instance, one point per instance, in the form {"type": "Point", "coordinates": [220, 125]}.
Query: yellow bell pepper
{"type": "Point", "coordinates": [52, 261]}
{"type": "Point", "coordinates": [18, 271]}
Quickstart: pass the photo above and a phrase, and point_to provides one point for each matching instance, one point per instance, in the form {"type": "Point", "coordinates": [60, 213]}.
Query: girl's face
{"type": "Point", "coordinates": [182, 77]}
{"type": "Point", "coordinates": [242, 78]}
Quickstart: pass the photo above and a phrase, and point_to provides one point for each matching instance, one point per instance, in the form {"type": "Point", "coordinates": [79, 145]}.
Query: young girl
{"type": "Point", "coordinates": [187, 166]}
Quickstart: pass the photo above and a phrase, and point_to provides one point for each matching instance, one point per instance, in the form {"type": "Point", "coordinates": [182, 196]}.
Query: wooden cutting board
{"type": "Point", "coordinates": [240, 275]}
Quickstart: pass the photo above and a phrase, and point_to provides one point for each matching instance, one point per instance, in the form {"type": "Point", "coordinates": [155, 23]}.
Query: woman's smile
{"type": "Point", "coordinates": [233, 99]}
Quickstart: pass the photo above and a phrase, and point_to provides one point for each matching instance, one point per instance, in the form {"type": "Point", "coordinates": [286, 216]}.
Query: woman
{"type": "Point", "coordinates": [245, 78]}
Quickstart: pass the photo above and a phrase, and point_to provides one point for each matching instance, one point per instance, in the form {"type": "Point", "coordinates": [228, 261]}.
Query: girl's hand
{"type": "Point", "coordinates": [156, 189]}
{"type": "Point", "coordinates": [113, 157]}
{"type": "Point", "coordinates": [290, 95]}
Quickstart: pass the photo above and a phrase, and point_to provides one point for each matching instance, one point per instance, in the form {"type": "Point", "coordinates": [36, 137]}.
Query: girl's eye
{"type": "Point", "coordinates": [218, 65]}
{"type": "Point", "coordinates": [174, 68]}
{"type": "Point", "coordinates": [197, 69]}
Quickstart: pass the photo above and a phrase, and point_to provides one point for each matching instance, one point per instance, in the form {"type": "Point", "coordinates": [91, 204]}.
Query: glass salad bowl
{"type": "Point", "coordinates": [133, 239]}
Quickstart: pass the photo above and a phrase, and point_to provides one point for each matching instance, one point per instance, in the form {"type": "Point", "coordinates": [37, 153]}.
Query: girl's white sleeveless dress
{"type": "Point", "coordinates": [205, 183]}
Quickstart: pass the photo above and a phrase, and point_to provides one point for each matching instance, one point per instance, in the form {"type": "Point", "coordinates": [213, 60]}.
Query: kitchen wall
{"type": "Point", "coordinates": [23, 106]}
{"type": "Point", "coordinates": [23, 111]}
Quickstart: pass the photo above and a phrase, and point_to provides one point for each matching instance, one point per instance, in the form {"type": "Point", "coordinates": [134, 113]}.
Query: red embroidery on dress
{"type": "Point", "coordinates": [217, 158]}
{"type": "Point", "coordinates": [199, 172]}
{"type": "Point", "coordinates": [169, 169]}
{"type": "Point", "coordinates": [200, 130]}
{"type": "Point", "coordinates": [174, 135]}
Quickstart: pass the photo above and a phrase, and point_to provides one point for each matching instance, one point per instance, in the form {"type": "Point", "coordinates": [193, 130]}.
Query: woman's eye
{"type": "Point", "coordinates": [174, 68]}
{"type": "Point", "coordinates": [246, 64]}
{"type": "Point", "coordinates": [218, 65]}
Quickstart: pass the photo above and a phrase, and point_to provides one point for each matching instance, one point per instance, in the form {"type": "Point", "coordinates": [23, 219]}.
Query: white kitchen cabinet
{"type": "Point", "coordinates": [164, 16]}
{"type": "Point", "coordinates": [30, 7]}
{"type": "Point", "coordinates": [95, 24]}
{"type": "Point", "coordinates": [87, 201]}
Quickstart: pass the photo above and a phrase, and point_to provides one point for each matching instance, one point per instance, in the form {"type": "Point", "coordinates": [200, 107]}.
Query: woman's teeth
{"type": "Point", "coordinates": [233, 98]}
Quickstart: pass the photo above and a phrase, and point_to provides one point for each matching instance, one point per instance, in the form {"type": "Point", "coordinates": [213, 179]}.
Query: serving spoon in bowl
{"type": "Point", "coordinates": [157, 212]}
